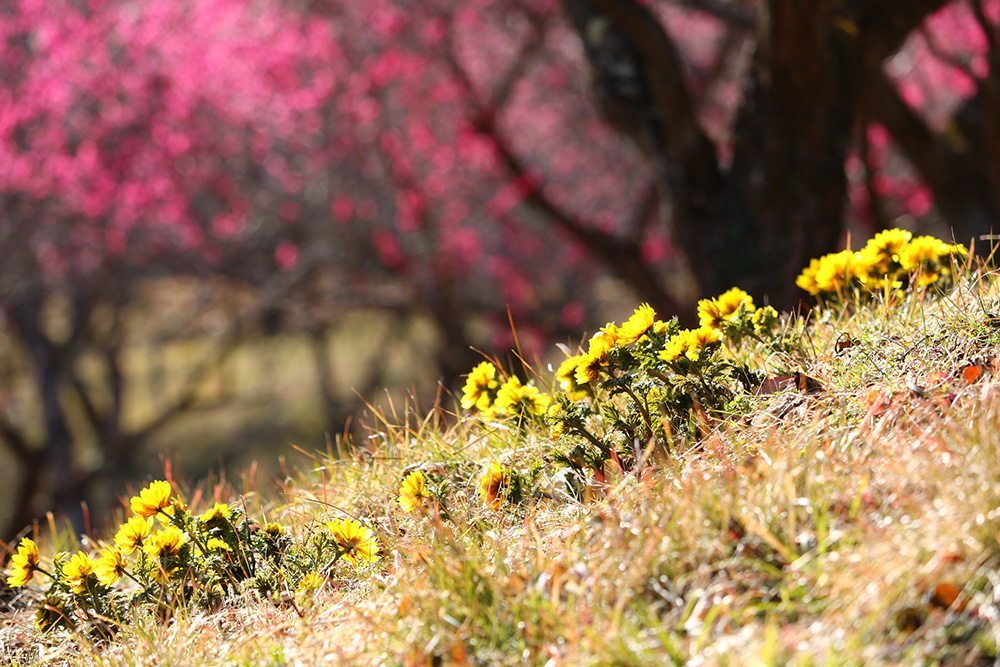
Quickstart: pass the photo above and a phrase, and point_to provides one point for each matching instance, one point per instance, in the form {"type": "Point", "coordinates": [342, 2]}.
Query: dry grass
{"type": "Point", "coordinates": [855, 525]}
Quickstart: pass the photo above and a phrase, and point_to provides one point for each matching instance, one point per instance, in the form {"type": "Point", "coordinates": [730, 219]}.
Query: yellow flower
{"type": "Point", "coordinates": [728, 307]}
{"type": "Point", "coordinates": [79, 572]}
{"type": "Point", "coordinates": [603, 341]}
{"type": "Point", "coordinates": [166, 515]}
{"type": "Point", "coordinates": [709, 313]}
{"type": "Point", "coordinates": [690, 343]}
{"type": "Point", "coordinates": [927, 277]}
{"type": "Point", "coordinates": [557, 430]}
{"type": "Point", "coordinates": [24, 563]}
{"type": "Point", "coordinates": [807, 279]}
{"type": "Point", "coordinates": [166, 542]}
{"type": "Point", "coordinates": [164, 547]}
{"type": "Point", "coordinates": [566, 377]}
{"type": "Point", "coordinates": [701, 338]}
{"type": "Point", "coordinates": [874, 281]}
{"type": "Point", "coordinates": [588, 369]}
{"type": "Point", "coordinates": [413, 495]}
{"type": "Point", "coordinates": [734, 301]}
{"type": "Point", "coordinates": [557, 427]}
{"type": "Point", "coordinates": [133, 534]}
{"type": "Point", "coordinates": [216, 515]}
{"type": "Point", "coordinates": [837, 271]}
{"type": "Point", "coordinates": [491, 482]}
{"type": "Point", "coordinates": [52, 613]}
{"type": "Point", "coordinates": [480, 388]}
{"type": "Point", "coordinates": [310, 583]}
{"type": "Point", "coordinates": [637, 325]}
{"type": "Point", "coordinates": [215, 544]}
{"type": "Point", "coordinates": [921, 250]}
{"type": "Point", "coordinates": [110, 565]}
{"type": "Point", "coordinates": [514, 398]}
{"type": "Point", "coordinates": [676, 347]}
{"type": "Point", "coordinates": [152, 499]}
{"type": "Point", "coordinates": [885, 249]}
{"type": "Point", "coordinates": [698, 340]}
{"type": "Point", "coordinates": [355, 542]}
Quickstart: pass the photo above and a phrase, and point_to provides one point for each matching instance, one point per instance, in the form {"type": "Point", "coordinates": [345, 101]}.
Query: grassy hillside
{"type": "Point", "coordinates": [811, 489]}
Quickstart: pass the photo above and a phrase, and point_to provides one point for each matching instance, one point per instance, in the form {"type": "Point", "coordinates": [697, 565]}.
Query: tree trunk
{"type": "Point", "coordinates": [791, 139]}
{"type": "Point", "coordinates": [48, 364]}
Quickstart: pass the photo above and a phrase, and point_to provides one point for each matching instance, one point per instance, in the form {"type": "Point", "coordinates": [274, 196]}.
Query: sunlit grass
{"type": "Point", "coordinates": [855, 523]}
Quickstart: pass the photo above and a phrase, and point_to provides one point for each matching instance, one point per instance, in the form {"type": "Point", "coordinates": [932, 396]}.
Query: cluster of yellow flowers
{"type": "Point", "coordinates": [635, 382]}
{"type": "Point", "coordinates": [575, 374]}
{"type": "Point", "coordinates": [892, 259]}
{"type": "Point", "coordinates": [689, 343]}
{"type": "Point", "coordinates": [83, 573]}
{"type": "Point", "coordinates": [732, 309]}
{"type": "Point", "coordinates": [716, 316]}
{"type": "Point", "coordinates": [212, 551]}
{"type": "Point", "coordinates": [484, 394]}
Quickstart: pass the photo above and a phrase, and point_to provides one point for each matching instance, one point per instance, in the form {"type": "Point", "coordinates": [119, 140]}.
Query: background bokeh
{"type": "Point", "coordinates": [227, 226]}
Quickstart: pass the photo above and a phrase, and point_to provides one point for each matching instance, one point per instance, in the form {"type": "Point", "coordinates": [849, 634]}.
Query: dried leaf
{"type": "Point", "coordinates": [808, 385]}
{"type": "Point", "coordinates": [971, 374]}
{"type": "Point", "coordinates": [459, 657]}
{"type": "Point", "coordinates": [774, 385]}
{"type": "Point", "coordinates": [946, 594]}
{"type": "Point", "coordinates": [799, 380]}
{"type": "Point", "coordinates": [877, 398]}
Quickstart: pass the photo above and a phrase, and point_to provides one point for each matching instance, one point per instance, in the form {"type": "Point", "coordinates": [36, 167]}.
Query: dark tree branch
{"type": "Point", "coordinates": [922, 147]}
{"type": "Point", "coordinates": [956, 165]}
{"type": "Point", "coordinates": [714, 75]}
{"type": "Point", "coordinates": [988, 28]}
{"type": "Point", "coordinates": [116, 378]}
{"type": "Point", "coordinates": [990, 92]}
{"type": "Point", "coordinates": [515, 73]}
{"type": "Point", "coordinates": [188, 397]}
{"type": "Point", "coordinates": [47, 366]}
{"type": "Point", "coordinates": [645, 210]}
{"type": "Point", "coordinates": [639, 80]}
{"type": "Point", "coordinates": [885, 25]}
{"type": "Point", "coordinates": [620, 256]}
{"type": "Point", "coordinates": [97, 420]}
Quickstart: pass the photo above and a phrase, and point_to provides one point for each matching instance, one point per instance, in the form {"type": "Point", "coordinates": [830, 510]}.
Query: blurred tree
{"type": "Point", "coordinates": [818, 69]}
{"type": "Point", "coordinates": [137, 140]}
{"type": "Point", "coordinates": [439, 160]}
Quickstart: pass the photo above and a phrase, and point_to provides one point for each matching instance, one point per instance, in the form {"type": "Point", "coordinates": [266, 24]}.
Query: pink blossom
{"type": "Point", "coordinates": [286, 255]}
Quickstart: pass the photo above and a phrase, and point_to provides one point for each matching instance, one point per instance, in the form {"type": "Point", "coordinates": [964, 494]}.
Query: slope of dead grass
{"type": "Point", "coordinates": [858, 524]}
